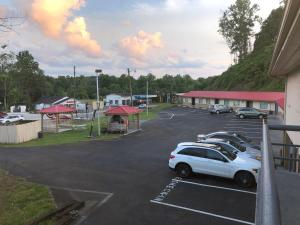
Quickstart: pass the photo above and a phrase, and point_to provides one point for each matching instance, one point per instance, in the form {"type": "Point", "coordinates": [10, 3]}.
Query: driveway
{"type": "Point", "coordinates": [129, 181]}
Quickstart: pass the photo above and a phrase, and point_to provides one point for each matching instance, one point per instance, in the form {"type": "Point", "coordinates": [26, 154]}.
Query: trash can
{"type": "Point", "coordinates": [40, 134]}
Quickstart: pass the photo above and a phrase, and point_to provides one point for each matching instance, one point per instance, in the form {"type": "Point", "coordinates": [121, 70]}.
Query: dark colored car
{"type": "Point", "coordinates": [248, 112]}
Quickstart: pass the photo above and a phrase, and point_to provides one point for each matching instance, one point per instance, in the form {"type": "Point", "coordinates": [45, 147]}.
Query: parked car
{"type": "Point", "coordinates": [248, 112]}
{"type": "Point", "coordinates": [142, 106]}
{"type": "Point", "coordinates": [233, 136]}
{"type": "Point", "coordinates": [234, 147]}
{"type": "Point", "coordinates": [3, 114]}
{"type": "Point", "coordinates": [213, 160]}
{"type": "Point", "coordinates": [217, 108]}
{"type": "Point", "coordinates": [11, 119]}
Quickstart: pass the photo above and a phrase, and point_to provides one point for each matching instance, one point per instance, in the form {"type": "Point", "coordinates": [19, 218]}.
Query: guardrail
{"type": "Point", "coordinates": [267, 201]}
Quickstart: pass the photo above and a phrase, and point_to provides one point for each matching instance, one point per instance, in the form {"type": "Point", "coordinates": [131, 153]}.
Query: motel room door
{"type": "Point", "coordinates": [249, 104]}
{"type": "Point", "coordinates": [193, 101]}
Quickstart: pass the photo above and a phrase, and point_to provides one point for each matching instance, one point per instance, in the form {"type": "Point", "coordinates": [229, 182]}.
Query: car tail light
{"type": "Point", "coordinates": [172, 156]}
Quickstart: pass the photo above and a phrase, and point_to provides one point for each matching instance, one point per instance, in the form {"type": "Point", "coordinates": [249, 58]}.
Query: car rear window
{"type": "Point", "coordinates": [197, 152]}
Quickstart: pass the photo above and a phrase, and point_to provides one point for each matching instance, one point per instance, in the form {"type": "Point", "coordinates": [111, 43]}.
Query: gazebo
{"type": "Point", "coordinates": [118, 118]}
{"type": "Point", "coordinates": [55, 111]}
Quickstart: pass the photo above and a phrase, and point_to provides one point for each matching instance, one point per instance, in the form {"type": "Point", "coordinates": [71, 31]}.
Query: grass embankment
{"type": "Point", "coordinates": [22, 201]}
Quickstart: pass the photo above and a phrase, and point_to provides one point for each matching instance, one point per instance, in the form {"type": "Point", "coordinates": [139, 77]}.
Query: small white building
{"type": "Point", "coordinates": [117, 100]}
{"type": "Point", "coordinates": [18, 108]}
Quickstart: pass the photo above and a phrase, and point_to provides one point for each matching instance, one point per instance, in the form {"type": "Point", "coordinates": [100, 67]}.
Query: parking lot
{"type": "Point", "coordinates": [132, 175]}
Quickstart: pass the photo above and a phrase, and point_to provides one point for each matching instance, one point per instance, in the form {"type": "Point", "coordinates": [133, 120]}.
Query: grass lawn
{"type": "Point", "coordinates": [153, 112]}
{"type": "Point", "coordinates": [22, 201]}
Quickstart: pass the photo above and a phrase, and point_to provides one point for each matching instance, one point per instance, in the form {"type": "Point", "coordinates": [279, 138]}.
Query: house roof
{"type": "Point", "coordinates": [122, 111]}
{"type": "Point", "coordinates": [57, 109]}
{"type": "Point", "coordinates": [238, 95]}
{"type": "Point", "coordinates": [50, 100]}
{"type": "Point", "coordinates": [286, 54]}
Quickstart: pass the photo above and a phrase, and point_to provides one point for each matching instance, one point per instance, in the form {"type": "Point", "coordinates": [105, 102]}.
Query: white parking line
{"type": "Point", "coordinates": [246, 121]}
{"type": "Point", "coordinates": [244, 128]}
{"type": "Point", "coordinates": [169, 114]}
{"type": "Point", "coordinates": [217, 187]}
{"type": "Point", "coordinates": [245, 132]}
{"type": "Point", "coordinates": [202, 212]}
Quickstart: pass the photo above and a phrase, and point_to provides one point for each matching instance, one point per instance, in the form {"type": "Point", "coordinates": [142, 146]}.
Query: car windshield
{"type": "Point", "coordinates": [243, 138]}
{"type": "Point", "coordinates": [236, 145]}
{"type": "Point", "coordinates": [229, 154]}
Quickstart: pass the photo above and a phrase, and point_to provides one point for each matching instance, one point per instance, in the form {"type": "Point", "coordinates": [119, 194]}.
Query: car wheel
{"type": "Point", "coordinates": [242, 116]}
{"type": "Point", "coordinates": [244, 179]}
{"type": "Point", "coordinates": [183, 170]}
{"type": "Point", "coordinates": [218, 112]}
{"type": "Point", "coordinates": [260, 116]}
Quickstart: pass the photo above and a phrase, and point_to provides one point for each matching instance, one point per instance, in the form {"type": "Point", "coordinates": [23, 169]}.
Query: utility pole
{"type": "Point", "coordinates": [130, 87]}
{"type": "Point", "coordinates": [98, 72]}
{"type": "Point", "coordinates": [74, 95]}
{"type": "Point", "coordinates": [147, 100]}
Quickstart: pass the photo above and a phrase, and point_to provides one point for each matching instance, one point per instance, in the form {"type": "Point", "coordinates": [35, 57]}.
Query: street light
{"type": "Point", "coordinates": [98, 73]}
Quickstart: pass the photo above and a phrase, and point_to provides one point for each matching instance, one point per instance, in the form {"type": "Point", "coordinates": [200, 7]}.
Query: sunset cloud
{"type": "Point", "coordinates": [78, 37]}
{"type": "Point", "coordinates": [54, 17]}
{"type": "Point", "coordinates": [139, 45]}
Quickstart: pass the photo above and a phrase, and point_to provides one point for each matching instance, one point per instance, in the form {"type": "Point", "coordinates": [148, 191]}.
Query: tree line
{"type": "Point", "coordinates": [23, 81]}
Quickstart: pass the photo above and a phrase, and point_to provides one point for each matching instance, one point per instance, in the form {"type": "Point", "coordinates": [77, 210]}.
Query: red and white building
{"type": "Point", "coordinates": [266, 101]}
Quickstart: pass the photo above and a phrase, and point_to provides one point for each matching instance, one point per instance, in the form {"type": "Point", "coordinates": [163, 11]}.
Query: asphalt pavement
{"type": "Point", "coordinates": [128, 181]}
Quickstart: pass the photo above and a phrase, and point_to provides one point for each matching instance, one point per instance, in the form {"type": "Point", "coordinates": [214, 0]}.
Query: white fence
{"type": "Point", "coordinates": [14, 134]}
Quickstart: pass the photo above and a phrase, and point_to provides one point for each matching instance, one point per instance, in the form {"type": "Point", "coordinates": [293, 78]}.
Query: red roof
{"type": "Point", "coordinates": [238, 95]}
{"type": "Point", "coordinates": [57, 109]}
{"type": "Point", "coordinates": [122, 111]}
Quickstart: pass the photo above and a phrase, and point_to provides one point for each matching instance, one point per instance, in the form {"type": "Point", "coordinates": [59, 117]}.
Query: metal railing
{"type": "Point", "coordinates": [267, 201]}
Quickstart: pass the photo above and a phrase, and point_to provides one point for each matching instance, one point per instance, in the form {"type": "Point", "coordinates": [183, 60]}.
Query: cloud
{"type": "Point", "coordinates": [78, 37]}
{"type": "Point", "coordinates": [2, 11]}
{"type": "Point", "coordinates": [54, 19]}
{"type": "Point", "coordinates": [137, 46]}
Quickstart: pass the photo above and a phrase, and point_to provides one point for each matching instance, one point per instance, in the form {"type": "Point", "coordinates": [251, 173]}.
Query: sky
{"type": "Point", "coordinates": [157, 36]}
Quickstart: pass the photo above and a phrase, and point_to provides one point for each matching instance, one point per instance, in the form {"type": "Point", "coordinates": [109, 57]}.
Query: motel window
{"type": "Point", "coordinates": [110, 102]}
{"type": "Point", "coordinates": [197, 100]}
{"type": "Point", "coordinates": [116, 102]}
{"type": "Point", "coordinates": [236, 103]}
{"type": "Point", "coordinates": [226, 102]}
{"type": "Point", "coordinates": [189, 100]}
{"type": "Point", "coordinates": [264, 105]}
{"type": "Point", "coordinates": [208, 101]}
{"type": "Point", "coordinates": [123, 102]}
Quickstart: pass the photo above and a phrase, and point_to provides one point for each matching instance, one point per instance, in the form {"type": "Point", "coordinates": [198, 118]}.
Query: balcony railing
{"type": "Point", "coordinates": [267, 201]}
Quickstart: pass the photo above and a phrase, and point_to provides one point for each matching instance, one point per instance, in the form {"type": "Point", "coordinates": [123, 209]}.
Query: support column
{"type": "Point", "coordinates": [56, 122]}
{"type": "Point", "coordinates": [42, 122]}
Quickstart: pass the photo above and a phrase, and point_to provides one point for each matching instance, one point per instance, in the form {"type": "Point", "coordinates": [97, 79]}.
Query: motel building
{"type": "Point", "coordinates": [265, 101]}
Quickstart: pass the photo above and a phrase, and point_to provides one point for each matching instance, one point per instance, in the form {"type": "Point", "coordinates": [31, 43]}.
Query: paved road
{"type": "Point", "coordinates": [122, 176]}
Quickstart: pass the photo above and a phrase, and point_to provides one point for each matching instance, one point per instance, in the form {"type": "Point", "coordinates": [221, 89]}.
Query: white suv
{"type": "Point", "coordinates": [213, 160]}
{"type": "Point", "coordinates": [11, 119]}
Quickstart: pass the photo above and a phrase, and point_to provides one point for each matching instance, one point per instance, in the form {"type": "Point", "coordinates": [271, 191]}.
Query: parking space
{"type": "Point", "coordinates": [220, 203]}
{"type": "Point", "coordinates": [251, 128]}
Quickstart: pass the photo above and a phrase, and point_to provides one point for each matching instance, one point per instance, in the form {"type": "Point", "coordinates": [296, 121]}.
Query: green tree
{"type": "Point", "coordinates": [236, 25]}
